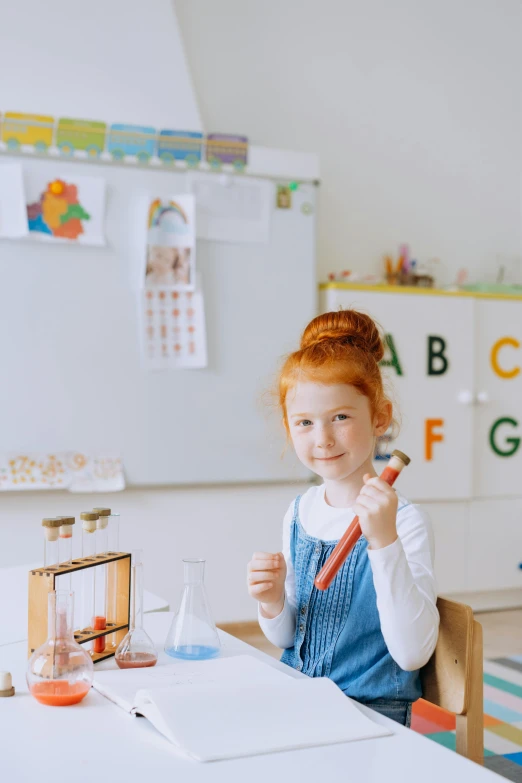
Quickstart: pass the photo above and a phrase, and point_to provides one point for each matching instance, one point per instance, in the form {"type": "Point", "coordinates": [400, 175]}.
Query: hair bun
{"type": "Point", "coordinates": [347, 327]}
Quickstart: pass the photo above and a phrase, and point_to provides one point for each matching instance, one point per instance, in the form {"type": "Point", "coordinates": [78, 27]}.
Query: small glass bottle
{"type": "Point", "coordinates": [136, 649]}
{"type": "Point", "coordinates": [99, 620]}
{"type": "Point", "coordinates": [60, 672]}
{"type": "Point", "coordinates": [112, 578]}
{"type": "Point", "coordinates": [51, 528]}
{"type": "Point", "coordinates": [89, 520]}
{"type": "Point", "coordinates": [193, 635]}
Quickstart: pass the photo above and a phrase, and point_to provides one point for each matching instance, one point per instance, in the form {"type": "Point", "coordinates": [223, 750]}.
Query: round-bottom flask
{"type": "Point", "coordinates": [60, 672]}
{"type": "Point", "coordinates": [136, 650]}
{"type": "Point", "coordinates": [193, 635]}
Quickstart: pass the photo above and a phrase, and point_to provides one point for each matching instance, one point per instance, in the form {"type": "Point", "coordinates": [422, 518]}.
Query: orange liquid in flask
{"type": "Point", "coordinates": [59, 693]}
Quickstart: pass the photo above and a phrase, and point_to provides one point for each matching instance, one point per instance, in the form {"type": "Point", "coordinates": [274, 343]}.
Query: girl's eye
{"type": "Point", "coordinates": [305, 423]}
{"type": "Point", "coordinates": [341, 416]}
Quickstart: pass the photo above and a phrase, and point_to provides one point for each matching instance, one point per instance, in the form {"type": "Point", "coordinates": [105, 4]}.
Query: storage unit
{"type": "Point", "coordinates": [453, 367]}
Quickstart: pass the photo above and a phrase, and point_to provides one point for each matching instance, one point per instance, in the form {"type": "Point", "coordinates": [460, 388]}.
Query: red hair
{"type": "Point", "coordinates": [338, 347]}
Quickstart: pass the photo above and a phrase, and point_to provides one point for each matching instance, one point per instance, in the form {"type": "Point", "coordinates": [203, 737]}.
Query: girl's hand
{"type": "Point", "coordinates": [266, 582]}
{"type": "Point", "coordinates": [376, 508]}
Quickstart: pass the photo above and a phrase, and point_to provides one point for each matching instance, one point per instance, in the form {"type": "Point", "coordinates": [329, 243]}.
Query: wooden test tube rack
{"type": "Point", "coordinates": [42, 581]}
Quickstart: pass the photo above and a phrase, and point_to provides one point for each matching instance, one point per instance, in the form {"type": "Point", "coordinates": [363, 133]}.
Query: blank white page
{"type": "Point", "coordinates": [121, 685]}
{"type": "Point", "coordinates": [218, 723]}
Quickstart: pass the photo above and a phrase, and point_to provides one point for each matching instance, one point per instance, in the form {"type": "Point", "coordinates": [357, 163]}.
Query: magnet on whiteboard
{"type": "Point", "coordinates": [307, 208]}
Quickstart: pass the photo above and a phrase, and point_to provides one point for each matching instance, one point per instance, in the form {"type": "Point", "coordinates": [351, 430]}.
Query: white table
{"type": "Point", "coordinates": [14, 587]}
{"type": "Point", "coordinates": [96, 738]}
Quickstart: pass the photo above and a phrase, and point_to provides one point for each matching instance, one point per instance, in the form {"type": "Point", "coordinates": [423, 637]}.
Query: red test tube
{"type": "Point", "coordinates": [327, 574]}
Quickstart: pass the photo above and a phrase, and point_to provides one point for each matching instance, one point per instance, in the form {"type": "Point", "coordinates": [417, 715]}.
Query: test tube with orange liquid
{"type": "Point", "coordinates": [99, 620]}
{"type": "Point", "coordinates": [328, 572]}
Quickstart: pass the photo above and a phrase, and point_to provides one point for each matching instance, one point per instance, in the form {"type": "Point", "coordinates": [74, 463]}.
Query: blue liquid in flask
{"type": "Point", "coordinates": [193, 652]}
{"type": "Point", "coordinates": [193, 635]}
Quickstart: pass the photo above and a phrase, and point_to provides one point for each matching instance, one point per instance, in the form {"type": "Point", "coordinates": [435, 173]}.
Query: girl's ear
{"type": "Point", "coordinates": [383, 418]}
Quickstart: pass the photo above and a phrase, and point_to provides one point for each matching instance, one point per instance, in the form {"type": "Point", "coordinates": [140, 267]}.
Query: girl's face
{"type": "Point", "coordinates": [332, 429]}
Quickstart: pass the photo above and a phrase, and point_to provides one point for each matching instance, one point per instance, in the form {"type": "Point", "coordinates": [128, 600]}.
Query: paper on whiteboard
{"type": "Point", "coordinates": [68, 208]}
{"type": "Point", "coordinates": [171, 243]}
{"type": "Point", "coordinates": [70, 470]}
{"type": "Point", "coordinates": [173, 329]}
{"type": "Point", "coordinates": [13, 214]}
{"type": "Point", "coordinates": [95, 474]}
{"type": "Point", "coordinates": [232, 209]}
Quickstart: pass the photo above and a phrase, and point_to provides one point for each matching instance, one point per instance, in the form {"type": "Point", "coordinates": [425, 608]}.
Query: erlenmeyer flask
{"type": "Point", "coordinates": [136, 650]}
{"type": "Point", "coordinates": [193, 635]}
{"type": "Point", "coordinates": [60, 672]}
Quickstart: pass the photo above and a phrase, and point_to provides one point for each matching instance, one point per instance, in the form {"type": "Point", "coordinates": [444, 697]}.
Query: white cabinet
{"type": "Point", "coordinates": [456, 377]}
{"type": "Point", "coordinates": [498, 419]}
{"type": "Point", "coordinates": [452, 528]}
{"type": "Point", "coordinates": [495, 544]}
{"type": "Point", "coordinates": [431, 380]}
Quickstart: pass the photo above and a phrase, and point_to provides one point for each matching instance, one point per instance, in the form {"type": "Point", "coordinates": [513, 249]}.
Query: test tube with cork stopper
{"type": "Point", "coordinates": [89, 520]}
{"type": "Point", "coordinates": [99, 620]}
{"type": "Point", "coordinates": [65, 539]}
{"type": "Point", "coordinates": [112, 577]}
{"type": "Point", "coordinates": [328, 572]}
{"type": "Point", "coordinates": [51, 528]}
{"type": "Point", "coordinates": [64, 582]}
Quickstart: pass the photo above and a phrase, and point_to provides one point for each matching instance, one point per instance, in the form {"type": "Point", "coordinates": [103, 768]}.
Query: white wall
{"type": "Point", "coordinates": [225, 525]}
{"type": "Point", "coordinates": [413, 105]}
{"type": "Point", "coordinates": [110, 60]}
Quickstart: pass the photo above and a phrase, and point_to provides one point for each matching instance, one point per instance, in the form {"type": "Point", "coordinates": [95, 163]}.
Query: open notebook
{"type": "Point", "coordinates": [238, 706]}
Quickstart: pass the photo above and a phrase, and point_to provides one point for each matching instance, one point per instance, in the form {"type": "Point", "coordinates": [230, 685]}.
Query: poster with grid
{"type": "Point", "coordinates": [173, 333]}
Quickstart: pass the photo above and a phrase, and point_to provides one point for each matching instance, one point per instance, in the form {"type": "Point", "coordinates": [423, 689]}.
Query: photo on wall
{"type": "Point", "coordinates": [171, 244]}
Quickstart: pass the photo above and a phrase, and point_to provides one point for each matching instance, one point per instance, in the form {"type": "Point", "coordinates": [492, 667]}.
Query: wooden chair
{"type": "Point", "coordinates": [453, 677]}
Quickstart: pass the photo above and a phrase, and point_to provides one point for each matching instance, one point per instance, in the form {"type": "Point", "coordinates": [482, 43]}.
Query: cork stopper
{"type": "Point", "coordinates": [67, 520]}
{"type": "Point", "coordinates": [89, 520]}
{"type": "Point", "coordinates": [402, 456]}
{"type": "Point", "coordinates": [51, 526]}
{"type": "Point", "coordinates": [66, 526]}
{"type": "Point", "coordinates": [103, 517]}
{"type": "Point", "coordinates": [6, 685]}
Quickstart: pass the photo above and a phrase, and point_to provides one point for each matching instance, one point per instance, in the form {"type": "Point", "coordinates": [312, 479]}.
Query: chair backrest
{"type": "Point", "coordinates": [453, 677]}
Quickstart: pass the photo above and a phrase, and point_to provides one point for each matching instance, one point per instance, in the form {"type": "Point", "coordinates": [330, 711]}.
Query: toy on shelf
{"type": "Point", "coordinates": [407, 271]}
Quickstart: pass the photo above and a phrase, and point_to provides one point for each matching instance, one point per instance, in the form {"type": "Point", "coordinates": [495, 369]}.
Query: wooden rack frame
{"type": "Point", "coordinates": [42, 581]}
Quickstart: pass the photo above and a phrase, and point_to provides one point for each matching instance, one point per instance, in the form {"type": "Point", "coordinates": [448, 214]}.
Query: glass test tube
{"type": "Point", "coordinates": [65, 550]}
{"type": "Point", "coordinates": [51, 527]}
{"type": "Point", "coordinates": [89, 520]}
{"type": "Point", "coordinates": [99, 620]}
{"type": "Point", "coordinates": [112, 577]}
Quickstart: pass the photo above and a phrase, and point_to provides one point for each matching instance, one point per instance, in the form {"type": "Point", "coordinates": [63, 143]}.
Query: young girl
{"type": "Point", "coordinates": [377, 624]}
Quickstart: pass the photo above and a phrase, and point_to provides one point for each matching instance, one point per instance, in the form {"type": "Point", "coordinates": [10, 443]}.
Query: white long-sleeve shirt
{"type": "Point", "coordinates": [402, 575]}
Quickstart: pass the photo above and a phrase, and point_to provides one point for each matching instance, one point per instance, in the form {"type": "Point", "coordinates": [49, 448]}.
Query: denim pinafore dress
{"type": "Point", "coordinates": [338, 631]}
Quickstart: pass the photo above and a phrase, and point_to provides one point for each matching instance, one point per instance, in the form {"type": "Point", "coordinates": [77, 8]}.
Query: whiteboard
{"type": "Point", "coordinates": [72, 377]}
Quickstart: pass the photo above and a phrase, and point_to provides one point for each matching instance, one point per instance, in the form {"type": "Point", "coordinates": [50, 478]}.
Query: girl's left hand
{"type": "Point", "coordinates": [376, 508]}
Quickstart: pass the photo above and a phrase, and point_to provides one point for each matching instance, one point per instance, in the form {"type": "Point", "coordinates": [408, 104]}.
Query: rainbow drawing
{"type": "Point", "coordinates": [168, 216]}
